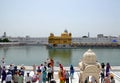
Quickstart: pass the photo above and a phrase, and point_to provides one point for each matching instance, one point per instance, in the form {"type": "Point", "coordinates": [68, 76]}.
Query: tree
{"type": "Point", "coordinates": [0, 40]}
{"type": "Point", "coordinates": [5, 40]}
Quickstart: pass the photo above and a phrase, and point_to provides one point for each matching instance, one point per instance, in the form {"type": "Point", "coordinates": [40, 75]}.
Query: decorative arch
{"type": "Point", "coordinates": [90, 70]}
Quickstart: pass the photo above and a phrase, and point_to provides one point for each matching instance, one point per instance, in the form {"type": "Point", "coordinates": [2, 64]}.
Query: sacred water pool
{"type": "Point", "coordinates": [29, 55]}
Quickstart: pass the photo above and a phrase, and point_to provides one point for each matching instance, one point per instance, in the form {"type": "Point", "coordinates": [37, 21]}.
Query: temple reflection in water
{"type": "Point", "coordinates": [62, 56]}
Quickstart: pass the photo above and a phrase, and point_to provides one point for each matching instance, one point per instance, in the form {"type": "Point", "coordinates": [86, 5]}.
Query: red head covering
{"type": "Point", "coordinates": [60, 65]}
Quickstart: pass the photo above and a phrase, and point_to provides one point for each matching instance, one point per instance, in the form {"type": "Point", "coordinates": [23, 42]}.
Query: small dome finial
{"type": "Point", "coordinates": [65, 31]}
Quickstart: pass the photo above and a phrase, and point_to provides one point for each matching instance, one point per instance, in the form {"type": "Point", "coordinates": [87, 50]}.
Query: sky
{"type": "Point", "coordinates": [39, 18]}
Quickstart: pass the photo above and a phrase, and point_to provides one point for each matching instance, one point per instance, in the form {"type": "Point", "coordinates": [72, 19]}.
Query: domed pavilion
{"type": "Point", "coordinates": [89, 67]}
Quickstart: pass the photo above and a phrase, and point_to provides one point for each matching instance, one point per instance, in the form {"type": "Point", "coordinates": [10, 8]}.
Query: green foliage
{"type": "Point", "coordinates": [4, 40]}
{"type": "Point", "coordinates": [0, 40]}
{"type": "Point", "coordinates": [84, 36]}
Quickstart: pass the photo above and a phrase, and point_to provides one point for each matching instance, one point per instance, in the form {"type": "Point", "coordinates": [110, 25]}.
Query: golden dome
{"type": "Point", "coordinates": [65, 33]}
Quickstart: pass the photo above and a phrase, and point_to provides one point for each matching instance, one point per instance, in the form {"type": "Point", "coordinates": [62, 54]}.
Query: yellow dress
{"type": "Point", "coordinates": [61, 76]}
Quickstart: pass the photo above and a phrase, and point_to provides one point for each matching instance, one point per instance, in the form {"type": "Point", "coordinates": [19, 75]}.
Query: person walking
{"type": "Point", "coordinates": [103, 67]}
{"type": "Point", "coordinates": [108, 67]}
{"type": "Point", "coordinates": [40, 77]}
{"type": "Point", "coordinates": [22, 70]}
{"type": "Point", "coordinates": [3, 75]}
{"type": "Point", "coordinates": [52, 66]}
{"type": "Point", "coordinates": [44, 79]}
{"type": "Point", "coordinates": [67, 75]}
{"type": "Point", "coordinates": [34, 68]}
{"type": "Point", "coordinates": [102, 76]}
{"type": "Point", "coordinates": [72, 71]}
{"type": "Point", "coordinates": [9, 77]}
{"type": "Point", "coordinates": [3, 62]}
{"type": "Point", "coordinates": [61, 75]}
{"type": "Point", "coordinates": [15, 77]}
{"type": "Point", "coordinates": [20, 78]}
{"type": "Point", "coordinates": [49, 72]}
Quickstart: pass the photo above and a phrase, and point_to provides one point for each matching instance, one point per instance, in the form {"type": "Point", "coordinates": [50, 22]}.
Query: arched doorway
{"type": "Point", "coordinates": [90, 79]}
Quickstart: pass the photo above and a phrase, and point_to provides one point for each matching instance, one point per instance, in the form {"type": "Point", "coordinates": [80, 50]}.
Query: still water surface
{"type": "Point", "coordinates": [29, 55]}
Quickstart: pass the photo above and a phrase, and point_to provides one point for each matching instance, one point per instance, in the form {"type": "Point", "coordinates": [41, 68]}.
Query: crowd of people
{"type": "Point", "coordinates": [12, 74]}
{"type": "Point", "coordinates": [42, 73]}
{"type": "Point", "coordinates": [45, 73]}
{"type": "Point", "coordinates": [106, 76]}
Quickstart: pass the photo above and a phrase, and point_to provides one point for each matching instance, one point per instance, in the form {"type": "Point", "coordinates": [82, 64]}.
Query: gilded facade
{"type": "Point", "coordinates": [65, 38]}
